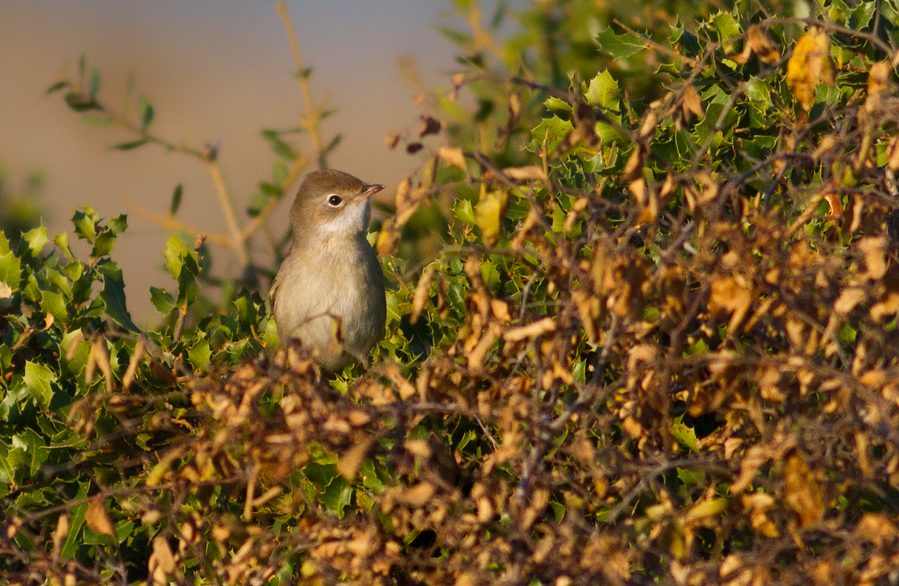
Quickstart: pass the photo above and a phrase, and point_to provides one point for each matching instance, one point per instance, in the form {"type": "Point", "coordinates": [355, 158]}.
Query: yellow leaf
{"type": "Point", "coordinates": [808, 66]}
{"type": "Point", "coordinates": [705, 509]}
{"type": "Point", "coordinates": [489, 213]}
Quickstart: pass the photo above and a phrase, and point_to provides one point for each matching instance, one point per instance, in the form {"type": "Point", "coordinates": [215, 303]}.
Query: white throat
{"type": "Point", "coordinates": [352, 220]}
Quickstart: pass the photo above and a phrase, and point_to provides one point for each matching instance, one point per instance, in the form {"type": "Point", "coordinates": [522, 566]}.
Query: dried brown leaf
{"type": "Point", "coordinates": [349, 464]}
{"type": "Point", "coordinates": [532, 330]}
{"type": "Point", "coordinates": [762, 45]}
{"type": "Point", "coordinates": [802, 492]}
{"type": "Point", "coordinates": [98, 519]}
{"type": "Point", "coordinates": [452, 156]}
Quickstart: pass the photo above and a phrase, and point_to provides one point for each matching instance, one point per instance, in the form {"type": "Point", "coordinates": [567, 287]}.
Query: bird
{"type": "Point", "coordinates": [328, 294]}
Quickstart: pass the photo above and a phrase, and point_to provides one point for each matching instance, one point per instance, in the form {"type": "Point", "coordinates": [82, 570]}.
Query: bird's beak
{"type": "Point", "coordinates": [370, 190]}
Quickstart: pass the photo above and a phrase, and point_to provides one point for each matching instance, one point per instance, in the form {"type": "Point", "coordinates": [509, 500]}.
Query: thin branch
{"type": "Point", "coordinates": [658, 47]}
{"type": "Point", "coordinates": [237, 240]}
{"type": "Point", "coordinates": [312, 120]}
{"type": "Point", "coordinates": [173, 224]}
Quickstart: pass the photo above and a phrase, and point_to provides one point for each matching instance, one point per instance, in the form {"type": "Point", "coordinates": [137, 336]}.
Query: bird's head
{"type": "Point", "coordinates": [331, 204]}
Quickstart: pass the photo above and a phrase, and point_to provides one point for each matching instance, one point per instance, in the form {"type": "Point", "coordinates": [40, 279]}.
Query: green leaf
{"type": "Point", "coordinates": [113, 295]}
{"type": "Point", "coordinates": [725, 25]}
{"type": "Point", "coordinates": [333, 144]}
{"type": "Point", "coordinates": [118, 224]}
{"type": "Point", "coordinates": [553, 131]}
{"type": "Point", "coordinates": [56, 305]}
{"type": "Point", "coordinates": [199, 355]}
{"type": "Point", "coordinates": [129, 146]}
{"type": "Point", "coordinates": [10, 266]}
{"type": "Point", "coordinates": [556, 105]}
{"type": "Point", "coordinates": [863, 14]}
{"type": "Point", "coordinates": [337, 495]}
{"type": "Point", "coordinates": [62, 241]}
{"type": "Point", "coordinates": [620, 46]}
{"type": "Point", "coordinates": [257, 203]}
{"type": "Point", "coordinates": [178, 257]}
{"type": "Point", "coordinates": [38, 381]}
{"type": "Point", "coordinates": [93, 83]}
{"type": "Point", "coordinates": [176, 199]}
{"type": "Point", "coordinates": [278, 145]}
{"type": "Point", "coordinates": [76, 520]}
{"type": "Point", "coordinates": [145, 112]}
{"type": "Point", "coordinates": [58, 86]}
{"type": "Point", "coordinates": [34, 447]}
{"type": "Point", "coordinates": [78, 102]}
{"type": "Point", "coordinates": [603, 91]}
{"type": "Point", "coordinates": [685, 40]}
{"type": "Point", "coordinates": [162, 300]}
{"type": "Point", "coordinates": [12, 464]}
{"type": "Point", "coordinates": [684, 435]}
{"type": "Point", "coordinates": [280, 173]}
{"type": "Point", "coordinates": [73, 366]}
{"type": "Point", "coordinates": [85, 221]}
{"type": "Point", "coordinates": [95, 121]}
{"type": "Point", "coordinates": [464, 211]}
{"type": "Point", "coordinates": [104, 240]}
{"type": "Point", "coordinates": [490, 274]}
{"type": "Point", "coordinates": [370, 479]}
{"type": "Point", "coordinates": [690, 477]}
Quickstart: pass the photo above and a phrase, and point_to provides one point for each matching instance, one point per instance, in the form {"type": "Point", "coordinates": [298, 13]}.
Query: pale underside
{"type": "Point", "coordinates": [330, 298]}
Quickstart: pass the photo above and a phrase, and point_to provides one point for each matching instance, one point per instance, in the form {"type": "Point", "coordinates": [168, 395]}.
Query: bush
{"type": "Point", "coordinates": [659, 345]}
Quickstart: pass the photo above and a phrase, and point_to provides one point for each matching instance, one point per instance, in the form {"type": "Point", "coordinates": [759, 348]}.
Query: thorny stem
{"type": "Point", "coordinates": [312, 120]}
{"type": "Point", "coordinates": [238, 243]}
{"type": "Point", "coordinates": [237, 240]}
{"type": "Point", "coordinates": [173, 224]}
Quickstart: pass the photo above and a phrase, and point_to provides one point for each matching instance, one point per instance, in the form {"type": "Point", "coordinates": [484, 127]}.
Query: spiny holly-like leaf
{"type": "Point", "coordinates": [113, 295]}
{"type": "Point", "coordinates": [39, 379]}
{"type": "Point", "coordinates": [620, 46]}
{"type": "Point", "coordinates": [10, 265]}
{"type": "Point", "coordinates": [603, 91]}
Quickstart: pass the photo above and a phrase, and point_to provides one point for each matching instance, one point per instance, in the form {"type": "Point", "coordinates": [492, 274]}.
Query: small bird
{"type": "Point", "coordinates": [329, 292]}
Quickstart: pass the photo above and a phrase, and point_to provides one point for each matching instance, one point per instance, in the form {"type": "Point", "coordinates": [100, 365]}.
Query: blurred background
{"type": "Point", "coordinates": [216, 72]}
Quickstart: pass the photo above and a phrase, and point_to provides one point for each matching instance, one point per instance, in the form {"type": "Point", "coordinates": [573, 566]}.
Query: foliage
{"type": "Point", "coordinates": [20, 208]}
{"type": "Point", "coordinates": [660, 346]}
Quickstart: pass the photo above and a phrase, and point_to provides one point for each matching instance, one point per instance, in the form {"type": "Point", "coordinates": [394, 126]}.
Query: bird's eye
{"type": "Point", "coordinates": [334, 201]}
